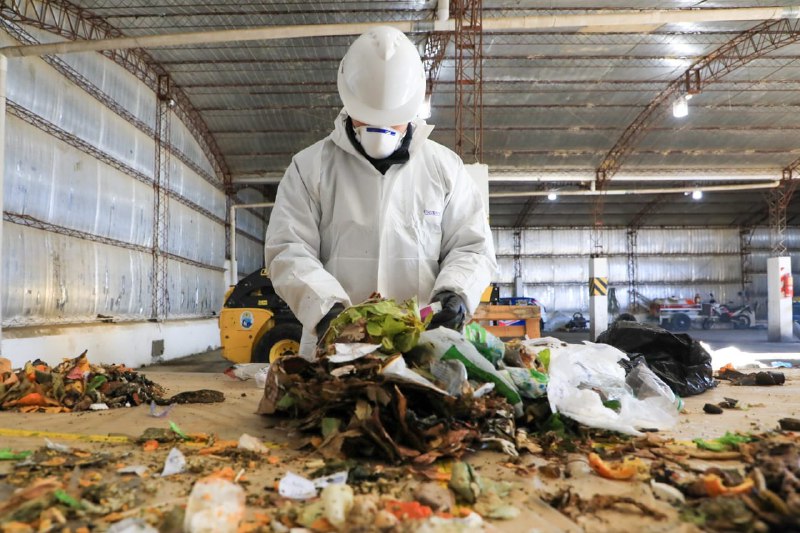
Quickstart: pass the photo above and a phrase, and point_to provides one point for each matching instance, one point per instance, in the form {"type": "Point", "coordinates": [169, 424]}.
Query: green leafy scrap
{"type": "Point", "coordinates": [96, 382]}
{"type": "Point", "coordinates": [329, 426]}
{"type": "Point", "coordinates": [544, 358]}
{"type": "Point", "coordinates": [6, 454]}
{"type": "Point", "coordinates": [62, 496]}
{"type": "Point", "coordinates": [396, 327]}
{"type": "Point", "coordinates": [286, 401]}
{"type": "Point", "coordinates": [555, 424]}
{"type": "Point", "coordinates": [178, 431]}
{"type": "Point", "coordinates": [729, 441]}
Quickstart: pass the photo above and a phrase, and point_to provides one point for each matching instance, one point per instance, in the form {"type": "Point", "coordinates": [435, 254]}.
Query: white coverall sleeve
{"type": "Point", "coordinates": [467, 261]}
{"type": "Point", "coordinates": [291, 251]}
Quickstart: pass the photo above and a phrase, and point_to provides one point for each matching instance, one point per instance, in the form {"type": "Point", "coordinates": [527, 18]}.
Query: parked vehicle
{"type": "Point", "coordinates": [255, 324]}
{"type": "Point", "coordinates": [741, 317]}
{"type": "Point", "coordinates": [678, 317]}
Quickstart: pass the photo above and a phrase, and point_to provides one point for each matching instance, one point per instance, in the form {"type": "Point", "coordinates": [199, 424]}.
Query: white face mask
{"type": "Point", "coordinates": [379, 142]}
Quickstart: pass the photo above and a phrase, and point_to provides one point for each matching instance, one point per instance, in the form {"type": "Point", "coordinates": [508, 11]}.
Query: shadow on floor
{"type": "Point", "coordinates": [207, 362]}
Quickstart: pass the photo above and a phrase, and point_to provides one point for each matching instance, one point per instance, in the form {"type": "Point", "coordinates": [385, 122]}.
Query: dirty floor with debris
{"type": "Point", "coordinates": [536, 482]}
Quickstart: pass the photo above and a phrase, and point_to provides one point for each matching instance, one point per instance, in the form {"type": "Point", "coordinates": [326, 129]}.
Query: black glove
{"type": "Point", "coordinates": [452, 314]}
{"type": "Point", "coordinates": [323, 325]}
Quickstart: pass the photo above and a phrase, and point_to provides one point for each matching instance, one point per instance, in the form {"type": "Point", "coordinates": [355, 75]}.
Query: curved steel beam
{"type": "Point", "coordinates": [75, 23]}
{"type": "Point", "coordinates": [750, 45]}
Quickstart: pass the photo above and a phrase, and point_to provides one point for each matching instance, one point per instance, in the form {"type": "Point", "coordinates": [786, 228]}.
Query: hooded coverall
{"type": "Point", "coordinates": [340, 230]}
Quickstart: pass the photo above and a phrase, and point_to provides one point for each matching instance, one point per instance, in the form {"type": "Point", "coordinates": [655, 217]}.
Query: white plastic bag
{"type": "Point", "coordinates": [580, 374]}
{"type": "Point", "coordinates": [215, 506]}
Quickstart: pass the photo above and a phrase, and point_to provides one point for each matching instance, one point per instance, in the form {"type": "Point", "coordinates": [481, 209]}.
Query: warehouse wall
{"type": "Point", "coordinates": [79, 196]}
{"type": "Point", "coordinates": [679, 262]}
{"type": "Point", "coordinates": [251, 227]}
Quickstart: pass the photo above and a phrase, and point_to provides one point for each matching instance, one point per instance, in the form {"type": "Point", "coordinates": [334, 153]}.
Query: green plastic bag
{"type": "Point", "coordinates": [492, 348]}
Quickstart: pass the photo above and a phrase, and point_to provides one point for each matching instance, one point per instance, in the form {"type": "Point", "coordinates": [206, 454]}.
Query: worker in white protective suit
{"type": "Point", "coordinates": [377, 206]}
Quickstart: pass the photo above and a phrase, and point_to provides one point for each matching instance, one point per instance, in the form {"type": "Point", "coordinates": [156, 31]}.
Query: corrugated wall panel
{"type": "Point", "coordinates": [195, 237]}
{"type": "Point", "coordinates": [250, 223]}
{"type": "Point", "coordinates": [568, 241]}
{"type": "Point", "coordinates": [192, 290]}
{"type": "Point", "coordinates": [249, 255]}
{"type": "Point", "coordinates": [186, 182]}
{"type": "Point", "coordinates": [687, 241]}
{"type": "Point", "coordinates": [125, 89]}
{"type": "Point", "coordinates": [670, 262]}
{"type": "Point", "coordinates": [52, 181]}
{"type": "Point", "coordinates": [50, 277]}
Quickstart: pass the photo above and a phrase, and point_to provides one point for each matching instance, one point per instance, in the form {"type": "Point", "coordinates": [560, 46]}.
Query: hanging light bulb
{"type": "Point", "coordinates": [680, 107]}
{"type": "Point", "coordinates": [697, 194]}
{"type": "Point", "coordinates": [552, 196]}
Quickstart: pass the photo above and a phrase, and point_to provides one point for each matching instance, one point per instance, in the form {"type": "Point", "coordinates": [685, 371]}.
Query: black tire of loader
{"type": "Point", "coordinates": [272, 337]}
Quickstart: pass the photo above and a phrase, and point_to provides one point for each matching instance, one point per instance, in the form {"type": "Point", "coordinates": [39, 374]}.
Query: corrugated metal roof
{"type": "Point", "coordinates": [553, 100]}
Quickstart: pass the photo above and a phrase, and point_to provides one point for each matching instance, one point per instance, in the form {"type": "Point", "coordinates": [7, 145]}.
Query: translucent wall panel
{"type": "Point", "coordinates": [672, 262]}
{"type": "Point", "coordinates": [677, 269]}
{"type": "Point", "coordinates": [503, 241]}
{"type": "Point", "coordinates": [35, 86]}
{"type": "Point", "coordinates": [183, 141]}
{"type": "Point", "coordinates": [249, 255]}
{"type": "Point", "coordinates": [54, 182]}
{"type": "Point", "coordinates": [569, 241]}
{"type": "Point", "coordinates": [193, 291]}
{"type": "Point", "coordinates": [112, 79]}
{"type": "Point", "coordinates": [251, 224]}
{"type": "Point", "coordinates": [52, 278]}
{"type": "Point", "coordinates": [187, 183]}
{"type": "Point", "coordinates": [195, 237]}
{"type": "Point", "coordinates": [126, 89]}
{"type": "Point", "coordinates": [762, 238]}
{"type": "Point", "coordinates": [688, 241]}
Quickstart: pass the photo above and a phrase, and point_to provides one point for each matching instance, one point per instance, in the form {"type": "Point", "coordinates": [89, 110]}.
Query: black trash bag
{"type": "Point", "coordinates": [676, 358]}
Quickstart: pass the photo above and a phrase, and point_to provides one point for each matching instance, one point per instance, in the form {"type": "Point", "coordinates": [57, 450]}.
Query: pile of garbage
{"type": "Point", "coordinates": [74, 385]}
{"type": "Point", "coordinates": [78, 385]}
{"type": "Point", "coordinates": [383, 386]}
{"type": "Point", "coordinates": [361, 398]}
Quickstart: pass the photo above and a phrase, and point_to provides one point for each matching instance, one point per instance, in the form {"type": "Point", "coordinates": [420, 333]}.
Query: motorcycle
{"type": "Point", "coordinates": [740, 317]}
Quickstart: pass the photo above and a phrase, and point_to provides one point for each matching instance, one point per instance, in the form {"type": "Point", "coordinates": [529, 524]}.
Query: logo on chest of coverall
{"type": "Point", "coordinates": [432, 213]}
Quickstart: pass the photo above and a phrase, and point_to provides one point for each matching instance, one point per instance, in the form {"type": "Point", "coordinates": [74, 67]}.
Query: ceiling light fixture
{"type": "Point", "coordinates": [680, 107]}
{"type": "Point", "coordinates": [552, 196]}
{"type": "Point", "coordinates": [697, 194]}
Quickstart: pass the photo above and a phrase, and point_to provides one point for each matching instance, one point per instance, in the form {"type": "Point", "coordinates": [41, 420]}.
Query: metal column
{"type": "Point", "coordinates": [468, 16]}
{"type": "Point", "coordinates": [633, 288]}
{"type": "Point", "coordinates": [779, 266]}
{"type": "Point", "coordinates": [779, 299]}
{"type": "Point", "coordinates": [598, 296]}
{"type": "Point", "coordinates": [161, 171]}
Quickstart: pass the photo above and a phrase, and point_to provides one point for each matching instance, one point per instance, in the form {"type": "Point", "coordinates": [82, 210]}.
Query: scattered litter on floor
{"type": "Point", "coordinates": [763, 379]}
{"type": "Point", "coordinates": [382, 432]}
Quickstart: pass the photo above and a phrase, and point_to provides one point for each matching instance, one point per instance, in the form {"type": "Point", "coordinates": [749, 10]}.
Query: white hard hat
{"type": "Point", "coordinates": [381, 78]}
